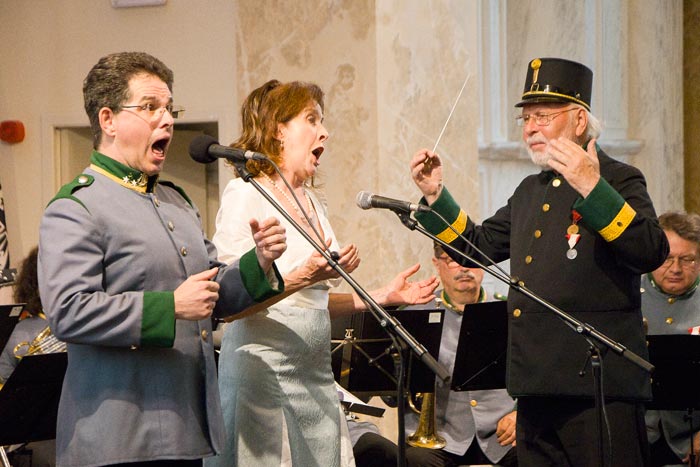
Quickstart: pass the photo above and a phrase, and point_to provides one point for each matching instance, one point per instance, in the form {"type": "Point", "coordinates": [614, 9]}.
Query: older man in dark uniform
{"type": "Point", "coordinates": [578, 234]}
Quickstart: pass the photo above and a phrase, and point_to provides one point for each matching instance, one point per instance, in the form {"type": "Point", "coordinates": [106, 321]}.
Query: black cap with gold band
{"type": "Point", "coordinates": [557, 80]}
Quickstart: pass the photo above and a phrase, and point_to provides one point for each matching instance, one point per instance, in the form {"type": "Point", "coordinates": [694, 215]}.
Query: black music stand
{"type": "Point", "coordinates": [9, 315]}
{"type": "Point", "coordinates": [29, 399]}
{"type": "Point", "coordinates": [675, 356]}
{"type": "Point", "coordinates": [362, 353]}
{"type": "Point", "coordinates": [480, 361]}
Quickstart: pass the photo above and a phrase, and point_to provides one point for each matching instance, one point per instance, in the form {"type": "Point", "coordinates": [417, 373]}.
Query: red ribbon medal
{"type": "Point", "coordinates": [572, 235]}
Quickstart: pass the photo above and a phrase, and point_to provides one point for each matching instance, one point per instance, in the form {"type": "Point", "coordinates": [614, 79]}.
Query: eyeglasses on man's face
{"type": "Point", "coordinates": [156, 113]}
{"type": "Point", "coordinates": [685, 262]}
{"type": "Point", "coordinates": [539, 118]}
{"type": "Point", "coordinates": [449, 262]}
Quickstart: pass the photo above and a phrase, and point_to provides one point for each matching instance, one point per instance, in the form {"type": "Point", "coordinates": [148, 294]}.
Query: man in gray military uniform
{"type": "Point", "coordinates": [671, 305]}
{"type": "Point", "coordinates": [129, 281]}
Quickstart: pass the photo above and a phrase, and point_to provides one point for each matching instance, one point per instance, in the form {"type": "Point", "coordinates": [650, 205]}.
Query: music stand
{"type": "Point", "coordinates": [675, 356]}
{"type": "Point", "coordinates": [361, 356]}
{"type": "Point", "coordinates": [29, 399]}
{"type": "Point", "coordinates": [9, 315]}
{"type": "Point", "coordinates": [480, 361]}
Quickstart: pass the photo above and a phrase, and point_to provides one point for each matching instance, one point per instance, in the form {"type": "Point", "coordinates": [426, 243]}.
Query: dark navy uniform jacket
{"type": "Point", "coordinates": [619, 240]}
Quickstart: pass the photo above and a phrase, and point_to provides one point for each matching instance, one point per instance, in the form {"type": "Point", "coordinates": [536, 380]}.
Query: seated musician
{"type": "Point", "coordinates": [32, 320]}
{"type": "Point", "coordinates": [671, 305]}
{"type": "Point", "coordinates": [32, 323]}
{"type": "Point", "coordinates": [478, 426]}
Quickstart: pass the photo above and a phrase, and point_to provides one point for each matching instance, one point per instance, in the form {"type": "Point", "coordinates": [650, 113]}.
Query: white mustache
{"type": "Point", "coordinates": [536, 139]}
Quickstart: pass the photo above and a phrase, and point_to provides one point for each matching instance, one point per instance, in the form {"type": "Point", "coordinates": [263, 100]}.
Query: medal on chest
{"type": "Point", "coordinates": [572, 235]}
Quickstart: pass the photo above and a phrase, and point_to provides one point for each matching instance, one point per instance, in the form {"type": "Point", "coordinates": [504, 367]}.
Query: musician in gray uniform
{"type": "Point", "coordinates": [478, 426]}
{"type": "Point", "coordinates": [671, 305]}
{"type": "Point", "coordinates": [129, 281]}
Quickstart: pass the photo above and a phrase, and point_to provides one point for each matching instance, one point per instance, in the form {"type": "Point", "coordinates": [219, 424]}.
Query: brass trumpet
{"type": "Point", "coordinates": [44, 342]}
{"type": "Point", "coordinates": [426, 435]}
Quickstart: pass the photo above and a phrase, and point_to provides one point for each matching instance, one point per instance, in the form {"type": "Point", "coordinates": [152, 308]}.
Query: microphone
{"type": "Point", "coordinates": [205, 149]}
{"type": "Point", "coordinates": [367, 200]}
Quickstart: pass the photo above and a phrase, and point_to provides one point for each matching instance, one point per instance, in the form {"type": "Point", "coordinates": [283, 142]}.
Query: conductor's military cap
{"type": "Point", "coordinates": [557, 80]}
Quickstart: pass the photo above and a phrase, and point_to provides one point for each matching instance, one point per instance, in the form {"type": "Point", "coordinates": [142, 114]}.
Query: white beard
{"type": "Point", "coordinates": [538, 158]}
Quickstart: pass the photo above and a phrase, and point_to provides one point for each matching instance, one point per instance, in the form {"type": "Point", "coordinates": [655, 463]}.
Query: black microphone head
{"type": "Point", "coordinates": [364, 200]}
{"type": "Point", "coordinates": [199, 149]}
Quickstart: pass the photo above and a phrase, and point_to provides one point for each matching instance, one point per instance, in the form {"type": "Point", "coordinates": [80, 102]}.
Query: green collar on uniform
{"type": "Point", "coordinates": [120, 173]}
{"type": "Point", "coordinates": [684, 296]}
{"type": "Point", "coordinates": [448, 304]}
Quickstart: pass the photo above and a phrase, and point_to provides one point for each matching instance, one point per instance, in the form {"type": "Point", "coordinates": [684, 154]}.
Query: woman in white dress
{"type": "Point", "coordinates": [276, 382]}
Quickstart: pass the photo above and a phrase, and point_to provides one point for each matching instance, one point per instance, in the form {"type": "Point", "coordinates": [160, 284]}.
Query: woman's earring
{"type": "Point", "coordinates": [281, 145]}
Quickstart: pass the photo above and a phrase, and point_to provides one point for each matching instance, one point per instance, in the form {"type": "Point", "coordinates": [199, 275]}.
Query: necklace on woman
{"type": "Point", "coordinates": [297, 208]}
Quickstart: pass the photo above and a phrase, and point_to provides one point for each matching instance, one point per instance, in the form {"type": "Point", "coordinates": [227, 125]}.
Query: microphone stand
{"type": "Point", "coordinates": [579, 327]}
{"type": "Point", "coordinates": [392, 326]}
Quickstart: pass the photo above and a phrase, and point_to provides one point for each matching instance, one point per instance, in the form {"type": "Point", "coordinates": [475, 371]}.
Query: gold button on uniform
{"type": "Point", "coordinates": [183, 251]}
{"type": "Point", "coordinates": [538, 233]}
{"type": "Point", "coordinates": [545, 207]}
{"type": "Point", "coordinates": [171, 226]}
{"type": "Point", "coordinates": [472, 403]}
{"type": "Point", "coordinates": [671, 300]}
{"type": "Point", "coordinates": [517, 312]}
{"type": "Point", "coordinates": [205, 334]}
{"type": "Point", "coordinates": [556, 182]}
{"type": "Point", "coordinates": [82, 179]}
{"type": "Point", "coordinates": [669, 320]}
{"type": "Point", "coordinates": [528, 259]}
{"type": "Point", "coordinates": [155, 200]}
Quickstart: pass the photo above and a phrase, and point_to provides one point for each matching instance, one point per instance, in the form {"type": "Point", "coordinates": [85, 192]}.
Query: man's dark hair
{"type": "Point", "coordinates": [107, 83]}
{"type": "Point", "coordinates": [686, 225]}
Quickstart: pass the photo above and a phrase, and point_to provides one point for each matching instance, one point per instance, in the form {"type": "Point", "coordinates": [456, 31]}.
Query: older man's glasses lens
{"type": "Point", "coordinates": [540, 119]}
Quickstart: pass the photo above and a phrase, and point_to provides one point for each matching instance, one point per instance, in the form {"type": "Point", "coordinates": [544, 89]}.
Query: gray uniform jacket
{"type": "Point", "coordinates": [140, 385]}
{"type": "Point", "coordinates": [670, 314]}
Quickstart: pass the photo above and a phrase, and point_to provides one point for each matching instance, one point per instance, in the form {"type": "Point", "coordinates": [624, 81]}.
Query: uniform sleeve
{"type": "Point", "coordinates": [450, 223]}
{"type": "Point", "coordinates": [622, 213]}
{"type": "Point", "coordinates": [71, 283]}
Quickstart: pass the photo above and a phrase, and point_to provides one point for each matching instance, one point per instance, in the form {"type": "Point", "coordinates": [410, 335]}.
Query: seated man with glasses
{"type": "Point", "coordinates": [670, 305]}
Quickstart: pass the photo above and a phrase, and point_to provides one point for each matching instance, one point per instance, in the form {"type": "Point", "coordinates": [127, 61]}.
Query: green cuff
{"type": "Point", "coordinates": [256, 281]}
{"type": "Point", "coordinates": [158, 321]}
{"type": "Point", "coordinates": [448, 208]}
{"type": "Point", "coordinates": [605, 210]}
